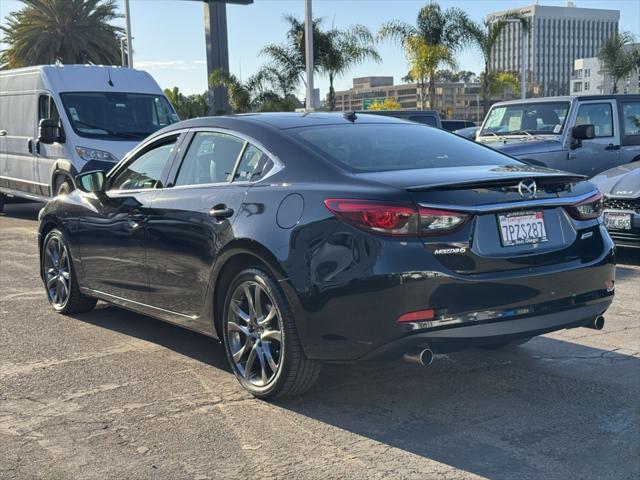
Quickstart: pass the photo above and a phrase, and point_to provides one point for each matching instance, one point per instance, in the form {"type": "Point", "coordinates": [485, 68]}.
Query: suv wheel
{"type": "Point", "coordinates": [260, 338]}
{"type": "Point", "coordinates": [58, 273]}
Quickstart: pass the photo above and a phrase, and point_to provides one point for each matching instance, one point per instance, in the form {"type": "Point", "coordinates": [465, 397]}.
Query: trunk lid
{"type": "Point", "coordinates": [486, 194]}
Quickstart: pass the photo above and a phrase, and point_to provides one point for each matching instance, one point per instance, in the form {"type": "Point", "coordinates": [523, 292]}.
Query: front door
{"type": "Point", "coordinates": [191, 220]}
{"type": "Point", "coordinates": [602, 152]}
{"type": "Point", "coordinates": [112, 237]}
{"type": "Point", "coordinates": [47, 154]}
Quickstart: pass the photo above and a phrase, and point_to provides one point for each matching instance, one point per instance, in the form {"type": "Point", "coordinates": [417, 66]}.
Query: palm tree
{"type": "Point", "coordinates": [485, 37]}
{"type": "Point", "coordinates": [66, 31]}
{"type": "Point", "coordinates": [239, 94]}
{"type": "Point", "coordinates": [190, 106]}
{"type": "Point", "coordinates": [618, 57]}
{"type": "Point", "coordinates": [345, 49]}
{"type": "Point", "coordinates": [290, 56]}
{"type": "Point", "coordinates": [424, 60]}
{"type": "Point", "coordinates": [441, 31]}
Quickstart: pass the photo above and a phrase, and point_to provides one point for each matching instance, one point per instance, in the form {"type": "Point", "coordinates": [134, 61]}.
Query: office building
{"type": "Point", "coordinates": [590, 78]}
{"type": "Point", "coordinates": [556, 38]}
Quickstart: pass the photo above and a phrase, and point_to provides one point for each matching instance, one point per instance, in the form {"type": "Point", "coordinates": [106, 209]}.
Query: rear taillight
{"type": "Point", "coordinates": [587, 209]}
{"type": "Point", "coordinates": [395, 219]}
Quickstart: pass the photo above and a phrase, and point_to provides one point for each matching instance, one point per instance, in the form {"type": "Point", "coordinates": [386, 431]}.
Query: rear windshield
{"type": "Point", "coordinates": [384, 147]}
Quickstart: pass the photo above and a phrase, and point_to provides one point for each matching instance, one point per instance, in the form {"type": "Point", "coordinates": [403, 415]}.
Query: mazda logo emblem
{"type": "Point", "coordinates": [527, 188]}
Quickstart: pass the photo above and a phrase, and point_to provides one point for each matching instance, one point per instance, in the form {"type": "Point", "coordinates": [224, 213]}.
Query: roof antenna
{"type": "Point", "coordinates": [110, 82]}
{"type": "Point", "coordinates": [351, 116]}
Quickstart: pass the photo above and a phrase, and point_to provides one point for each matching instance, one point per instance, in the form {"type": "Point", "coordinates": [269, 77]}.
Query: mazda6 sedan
{"type": "Point", "coordinates": [298, 239]}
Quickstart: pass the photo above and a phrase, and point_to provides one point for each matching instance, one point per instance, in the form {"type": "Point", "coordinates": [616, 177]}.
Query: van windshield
{"type": "Point", "coordinates": [113, 115]}
{"type": "Point", "coordinates": [543, 118]}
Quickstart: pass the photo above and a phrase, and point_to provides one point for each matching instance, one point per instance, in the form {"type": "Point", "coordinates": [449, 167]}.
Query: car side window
{"type": "Point", "coordinates": [631, 116]}
{"type": "Point", "coordinates": [145, 172]}
{"type": "Point", "coordinates": [599, 115]}
{"type": "Point", "coordinates": [210, 158]}
{"type": "Point", "coordinates": [254, 165]}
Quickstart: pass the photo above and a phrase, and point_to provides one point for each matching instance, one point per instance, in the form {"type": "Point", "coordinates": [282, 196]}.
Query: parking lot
{"type": "Point", "coordinates": [112, 394]}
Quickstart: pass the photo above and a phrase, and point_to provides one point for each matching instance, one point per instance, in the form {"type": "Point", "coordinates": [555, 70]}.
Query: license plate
{"type": "Point", "coordinates": [617, 220]}
{"type": "Point", "coordinates": [522, 228]}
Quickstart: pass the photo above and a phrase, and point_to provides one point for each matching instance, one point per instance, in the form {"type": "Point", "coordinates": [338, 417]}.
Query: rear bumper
{"type": "Point", "coordinates": [468, 335]}
{"type": "Point", "coordinates": [348, 319]}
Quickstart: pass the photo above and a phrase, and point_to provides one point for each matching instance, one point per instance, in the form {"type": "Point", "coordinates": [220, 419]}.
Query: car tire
{"type": "Point", "coordinates": [58, 273]}
{"type": "Point", "coordinates": [505, 344]}
{"type": "Point", "coordinates": [64, 186]}
{"type": "Point", "coordinates": [259, 333]}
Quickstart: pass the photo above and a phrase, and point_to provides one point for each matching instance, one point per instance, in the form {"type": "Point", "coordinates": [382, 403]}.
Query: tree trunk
{"type": "Point", "coordinates": [332, 95]}
{"type": "Point", "coordinates": [432, 90]}
{"type": "Point", "coordinates": [484, 90]}
{"type": "Point", "coordinates": [614, 90]}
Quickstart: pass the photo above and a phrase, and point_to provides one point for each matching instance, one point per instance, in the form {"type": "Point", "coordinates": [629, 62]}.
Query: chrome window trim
{"type": "Point", "coordinates": [277, 163]}
{"type": "Point", "coordinates": [498, 207]}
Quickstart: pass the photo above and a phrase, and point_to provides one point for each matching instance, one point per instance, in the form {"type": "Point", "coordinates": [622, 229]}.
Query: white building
{"type": "Point", "coordinates": [557, 36]}
{"type": "Point", "coordinates": [590, 78]}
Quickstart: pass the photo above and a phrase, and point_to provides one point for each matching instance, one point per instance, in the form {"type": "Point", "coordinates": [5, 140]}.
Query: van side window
{"type": "Point", "coordinates": [47, 108]}
{"type": "Point", "coordinates": [253, 166]}
{"type": "Point", "coordinates": [598, 114]}
{"type": "Point", "coordinates": [210, 159]}
{"type": "Point", "coordinates": [631, 116]}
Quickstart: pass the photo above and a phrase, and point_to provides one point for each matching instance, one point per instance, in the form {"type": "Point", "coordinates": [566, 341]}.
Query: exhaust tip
{"type": "Point", "coordinates": [419, 356]}
{"type": "Point", "coordinates": [596, 324]}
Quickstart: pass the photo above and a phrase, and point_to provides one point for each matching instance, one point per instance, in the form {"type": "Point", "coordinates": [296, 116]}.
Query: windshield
{"type": "Point", "coordinates": [404, 146]}
{"type": "Point", "coordinates": [544, 118]}
{"type": "Point", "coordinates": [112, 115]}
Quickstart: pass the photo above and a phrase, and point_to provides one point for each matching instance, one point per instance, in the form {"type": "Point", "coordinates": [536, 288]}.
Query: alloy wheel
{"type": "Point", "coordinates": [254, 333]}
{"type": "Point", "coordinates": [57, 272]}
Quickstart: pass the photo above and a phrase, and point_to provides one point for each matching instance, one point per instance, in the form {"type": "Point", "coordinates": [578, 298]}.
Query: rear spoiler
{"type": "Point", "coordinates": [499, 181]}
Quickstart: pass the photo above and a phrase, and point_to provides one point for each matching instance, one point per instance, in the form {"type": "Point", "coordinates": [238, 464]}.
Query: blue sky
{"type": "Point", "coordinates": [169, 34]}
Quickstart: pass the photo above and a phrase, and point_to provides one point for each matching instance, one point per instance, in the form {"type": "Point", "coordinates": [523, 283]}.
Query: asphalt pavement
{"type": "Point", "coordinates": [114, 395]}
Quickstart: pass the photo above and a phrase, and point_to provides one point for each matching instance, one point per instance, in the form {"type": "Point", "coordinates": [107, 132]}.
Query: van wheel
{"type": "Point", "coordinates": [64, 186]}
{"type": "Point", "coordinates": [2, 199]}
{"type": "Point", "coordinates": [261, 340]}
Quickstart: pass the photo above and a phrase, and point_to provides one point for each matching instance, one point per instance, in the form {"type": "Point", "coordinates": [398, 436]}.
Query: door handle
{"type": "Point", "coordinates": [30, 145]}
{"type": "Point", "coordinates": [611, 146]}
{"type": "Point", "coordinates": [220, 212]}
{"type": "Point", "coordinates": [3, 133]}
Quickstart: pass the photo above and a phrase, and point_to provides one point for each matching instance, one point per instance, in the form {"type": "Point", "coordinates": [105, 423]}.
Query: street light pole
{"type": "Point", "coordinates": [308, 47]}
{"type": "Point", "coordinates": [127, 15]}
{"type": "Point", "coordinates": [523, 63]}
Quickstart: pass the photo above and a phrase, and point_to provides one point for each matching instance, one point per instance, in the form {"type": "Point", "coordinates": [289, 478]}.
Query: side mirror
{"type": "Point", "coordinates": [91, 182]}
{"type": "Point", "coordinates": [49, 130]}
{"type": "Point", "coordinates": [584, 132]}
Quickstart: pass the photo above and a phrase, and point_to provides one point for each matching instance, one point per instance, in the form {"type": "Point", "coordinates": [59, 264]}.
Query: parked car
{"type": "Point", "coordinates": [298, 239]}
{"type": "Point", "coordinates": [469, 132]}
{"type": "Point", "coordinates": [57, 121]}
{"type": "Point", "coordinates": [452, 125]}
{"type": "Point", "coordinates": [584, 134]}
{"type": "Point", "coordinates": [427, 117]}
{"type": "Point", "coordinates": [621, 189]}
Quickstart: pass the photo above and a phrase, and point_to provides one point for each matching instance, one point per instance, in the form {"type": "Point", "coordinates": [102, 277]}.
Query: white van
{"type": "Point", "coordinates": [58, 121]}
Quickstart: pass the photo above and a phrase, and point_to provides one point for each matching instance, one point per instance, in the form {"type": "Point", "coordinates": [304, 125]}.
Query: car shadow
{"type": "Point", "coordinates": [547, 409]}
{"type": "Point", "coordinates": [194, 345]}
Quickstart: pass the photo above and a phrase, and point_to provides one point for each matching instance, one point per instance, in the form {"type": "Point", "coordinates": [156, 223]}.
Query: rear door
{"type": "Point", "coordinates": [192, 219]}
{"type": "Point", "coordinates": [602, 152]}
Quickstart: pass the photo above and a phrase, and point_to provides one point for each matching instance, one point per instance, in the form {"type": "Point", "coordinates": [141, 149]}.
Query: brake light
{"type": "Point", "coordinates": [418, 316]}
{"type": "Point", "coordinates": [587, 209]}
{"type": "Point", "coordinates": [395, 219]}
